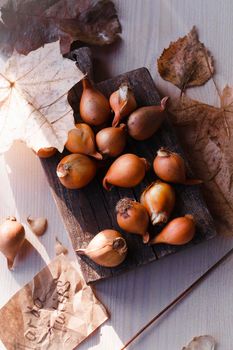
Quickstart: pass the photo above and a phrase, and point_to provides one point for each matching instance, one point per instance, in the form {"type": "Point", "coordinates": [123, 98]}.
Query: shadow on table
{"type": "Point", "coordinates": [26, 179]}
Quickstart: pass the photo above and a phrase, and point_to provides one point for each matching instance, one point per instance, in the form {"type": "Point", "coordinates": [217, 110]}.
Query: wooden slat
{"type": "Point", "coordinates": [87, 211]}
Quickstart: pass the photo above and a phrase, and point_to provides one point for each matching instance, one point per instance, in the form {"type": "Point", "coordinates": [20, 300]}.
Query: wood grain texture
{"type": "Point", "coordinates": [136, 296]}
{"type": "Point", "coordinates": [90, 210]}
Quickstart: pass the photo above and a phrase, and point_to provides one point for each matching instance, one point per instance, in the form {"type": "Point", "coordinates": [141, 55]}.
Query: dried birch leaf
{"type": "Point", "coordinates": [26, 25]}
{"type": "Point", "coordinates": [186, 62]}
{"type": "Point", "coordinates": [204, 342]}
{"type": "Point", "coordinates": [207, 135]}
{"type": "Point", "coordinates": [33, 98]}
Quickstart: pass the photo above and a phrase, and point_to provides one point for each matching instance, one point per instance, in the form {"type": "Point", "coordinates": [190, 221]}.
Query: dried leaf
{"type": "Point", "coordinates": [28, 24]}
{"type": "Point", "coordinates": [186, 62]}
{"type": "Point", "coordinates": [204, 342]}
{"type": "Point", "coordinates": [207, 135]}
{"type": "Point", "coordinates": [33, 98]}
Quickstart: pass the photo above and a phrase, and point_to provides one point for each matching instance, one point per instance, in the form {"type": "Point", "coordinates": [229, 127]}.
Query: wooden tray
{"type": "Point", "coordinates": [87, 211]}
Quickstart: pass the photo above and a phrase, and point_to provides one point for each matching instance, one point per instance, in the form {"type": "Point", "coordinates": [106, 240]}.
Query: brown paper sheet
{"type": "Point", "coordinates": [56, 310]}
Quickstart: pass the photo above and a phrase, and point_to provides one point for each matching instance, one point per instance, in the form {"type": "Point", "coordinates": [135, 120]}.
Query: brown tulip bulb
{"type": "Point", "coordinates": [111, 141]}
{"type": "Point", "coordinates": [46, 152]}
{"type": "Point", "coordinates": [170, 167]}
{"type": "Point", "coordinates": [81, 139]}
{"type": "Point", "coordinates": [177, 232]}
{"type": "Point", "coordinates": [159, 200]}
{"type": "Point", "coordinates": [126, 171]}
{"type": "Point", "coordinates": [94, 106]}
{"type": "Point", "coordinates": [122, 102]}
{"type": "Point", "coordinates": [145, 121]}
{"type": "Point", "coordinates": [133, 217]}
{"type": "Point", "coordinates": [76, 171]}
{"type": "Point", "coordinates": [12, 237]}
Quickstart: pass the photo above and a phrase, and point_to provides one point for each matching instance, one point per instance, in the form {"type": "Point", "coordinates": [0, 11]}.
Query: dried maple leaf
{"type": "Point", "coordinates": [203, 342]}
{"type": "Point", "coordinates": [207, 135]}
{"type": "Point", "coordinates": [186, 62]}
{"type": "Point", "coordinates": [33, 98]}
{"type": "Point", "coordinates": [28, 24]}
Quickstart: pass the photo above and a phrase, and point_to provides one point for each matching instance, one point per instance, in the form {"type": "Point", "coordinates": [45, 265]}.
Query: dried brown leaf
{"type": "Point", "coordinates": [203, 342]}
{"type": "Point", "coordinates": [207, 136]}
{"type": "Point", "coordinates": [26, 25]}
{"type": "Point", "coordinates": [186, 62]}
{"type": "Point", "coordinates": [33, 98]}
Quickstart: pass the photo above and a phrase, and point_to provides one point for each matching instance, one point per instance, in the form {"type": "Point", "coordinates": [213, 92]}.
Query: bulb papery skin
{"type": "Point", "coordinates": [122, 102]}
{"type": "Point", "coordinates": [12, 237]}
{"type": "Point", "coordinates": [94, 106]}
{"type": "Point", "coordinates": [76, 170]}
{"type": "Point", "coordinates": [159, 200]}
{"type": "Point", "coordinates": [145, 121]}
{"type": "Point", "coordinates": [108, 248]}
{"type": "Point", "coordinates": [126, 171]}
{"type": "Point", "coordinates": [81, 139]}
{"type": "Point", "coordinates": [179, 231]}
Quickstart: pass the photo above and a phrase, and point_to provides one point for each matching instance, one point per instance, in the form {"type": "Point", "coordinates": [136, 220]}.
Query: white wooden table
{"type": "Point", "coordinates": [135, 297]}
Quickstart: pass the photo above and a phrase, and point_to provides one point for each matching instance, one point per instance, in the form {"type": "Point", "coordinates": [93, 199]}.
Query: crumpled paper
{"type": "Point", "coordinates": [56, 310]}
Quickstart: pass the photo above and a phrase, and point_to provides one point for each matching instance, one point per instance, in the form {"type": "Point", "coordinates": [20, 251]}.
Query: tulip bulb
{"type": "Point", "coordinates": [108, 248]}
{"type": "Point", "coordinates": [177, 232]}
{"type": "Point", "coordinates": [122, 103]}
{"type": "Point", "coordinates": [126, 171]}
{"type": "Point", "coordinates": [37, 225]}
{"type": "Point", "coordinates": [94, 106]}
{"type": "Point", "coordinates": [12, 237]}
{"type": "Point", "coordinates": [159, 200]}
{"type": "Point", "coordinates": [46, 152]}
{"type": "Point", "coordinates": [133, 217]}
{"type": "Point", "coordinates": [145, 121]}
{"type": "Point", "coordinates": [76, 171]}
{"type": "Point", "coordinates": [170, 167]}
{"type": "Point", "coordinates": [111, 141]}
{"type": "Point", "coordinates": [81, 139]}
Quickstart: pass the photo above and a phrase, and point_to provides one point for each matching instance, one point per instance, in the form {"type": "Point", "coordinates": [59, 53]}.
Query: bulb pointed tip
{"type": "Point", "coordinates": [10, 264]}
{"type": "Point", "coordinates": [163, 102]}
{"type": "Point", "coordinates": [106, 184]}
{"type": "Point", "coordinates": [116, 120]}
{"type": "Point", "coordinates": [97, 155]}
{"type": "Point", "coordinates": [146, 238]}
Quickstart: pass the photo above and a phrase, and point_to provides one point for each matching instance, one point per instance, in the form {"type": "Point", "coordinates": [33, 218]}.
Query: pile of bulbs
{"type": "Point", "coordinates": [108, 248]}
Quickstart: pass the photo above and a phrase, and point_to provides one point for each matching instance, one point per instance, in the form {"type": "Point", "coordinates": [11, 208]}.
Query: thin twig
{"type": "Point", "coordinates": [179, 298]}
